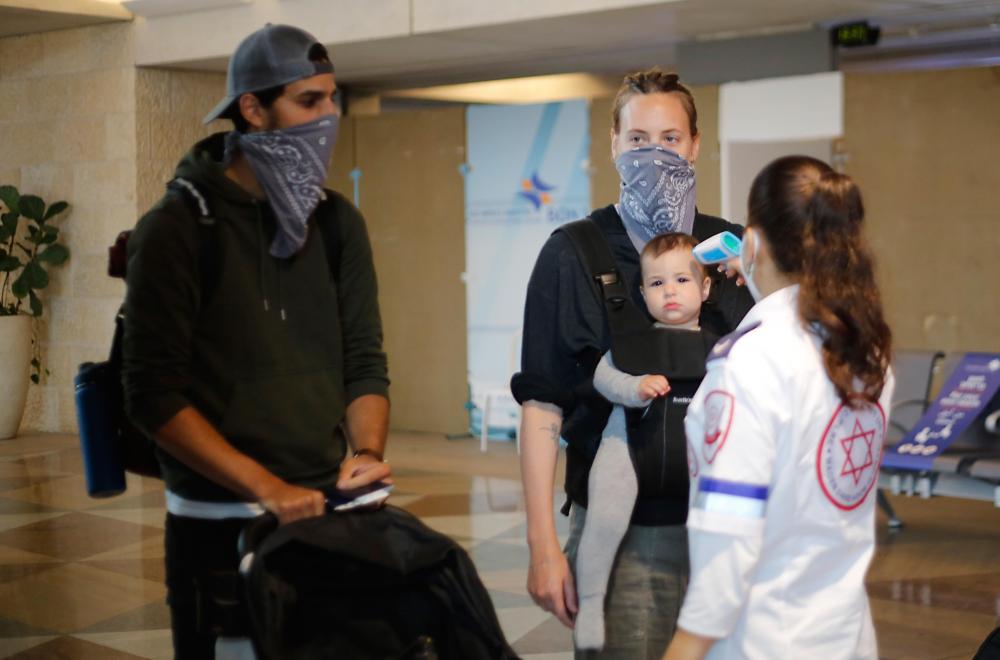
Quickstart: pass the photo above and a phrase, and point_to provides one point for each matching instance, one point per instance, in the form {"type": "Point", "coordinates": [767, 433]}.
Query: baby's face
{"type": "Point", "coordinates": [674, 286]}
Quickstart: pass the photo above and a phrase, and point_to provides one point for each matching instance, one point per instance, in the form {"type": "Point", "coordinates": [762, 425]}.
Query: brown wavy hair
{"type": "Point", "coordinates": [671, 240]}
{"type": "Point", "coordinates": [811, 217]}
{"type": "Point", "coordinates": [654, 81]}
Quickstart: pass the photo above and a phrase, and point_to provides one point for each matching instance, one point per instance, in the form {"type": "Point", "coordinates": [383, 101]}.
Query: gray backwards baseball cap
{"type": "Point", "coordinates": [273, 55]}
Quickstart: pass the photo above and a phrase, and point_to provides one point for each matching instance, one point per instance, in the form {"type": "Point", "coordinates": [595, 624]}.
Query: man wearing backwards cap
{"type": "Point", "coordinates": [253, 343]}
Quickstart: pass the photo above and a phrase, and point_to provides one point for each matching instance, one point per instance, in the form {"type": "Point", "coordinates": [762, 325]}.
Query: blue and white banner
{"type": "Point", "coordinates": [962, 400]}
{"type": "Point", "coordinates": [526, 175]}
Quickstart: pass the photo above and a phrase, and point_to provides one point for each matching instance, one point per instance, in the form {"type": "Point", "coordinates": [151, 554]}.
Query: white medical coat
{"type": "Point", "coordinates": [781, 522]}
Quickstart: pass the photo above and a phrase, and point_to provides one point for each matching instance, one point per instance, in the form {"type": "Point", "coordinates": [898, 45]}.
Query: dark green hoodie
{"type": "Point", "coordinates": [269, 350]}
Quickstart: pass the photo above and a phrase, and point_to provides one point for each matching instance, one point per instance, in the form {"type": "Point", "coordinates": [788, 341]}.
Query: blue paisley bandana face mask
{"type": "Point", "coordinates": [290, 165]}
{"type": "Point", "coordinates": [657, 194]}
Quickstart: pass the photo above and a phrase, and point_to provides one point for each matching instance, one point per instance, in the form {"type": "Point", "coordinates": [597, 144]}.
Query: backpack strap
{"type": "Point", "coordinates": [197, 206]}
{"type": "Point", "coordinates": [333, 241]}
{"type": "Point", "coordinates": [595, 255]}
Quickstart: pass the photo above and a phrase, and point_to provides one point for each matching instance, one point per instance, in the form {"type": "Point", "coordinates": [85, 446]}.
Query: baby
{"type": "Point", "coordinates": [674, 286]}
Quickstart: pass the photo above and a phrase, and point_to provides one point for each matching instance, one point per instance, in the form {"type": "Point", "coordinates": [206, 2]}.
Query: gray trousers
{"type": "Point", "coordinates": [645, 591]}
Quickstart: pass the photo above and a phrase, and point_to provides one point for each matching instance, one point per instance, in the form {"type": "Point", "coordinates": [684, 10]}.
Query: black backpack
{"type": "Point", "coordinates": [364, 585]}
{"type": "Point", "coordinates": [110, 442]}
{"type": "Point", "coordinates": [655, 434]}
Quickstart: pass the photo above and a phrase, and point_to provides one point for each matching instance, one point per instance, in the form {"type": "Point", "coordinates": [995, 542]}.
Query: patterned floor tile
{"type": "Point", "coordinates": [17, 483]}
{"type": "Point", "coordinates": [15, 520]}
{"type": "Point", "coordinates": [132, 498]}
{"type": "Point", "coordinates": [507, 599]}
{"type": "Point", "coordinates": [9, 628]}
{"type": "Point", "coordinates": [152, 616]}
{"type": "Point", "coordinates": [72, 597]}
{"type": "Point", "coordinates": [71, 647]}
{"type": "Point", "coordinates": [970, 593]}
{"type": "Point", "coordinates": [75, 535]}
{"type": "Point", "coordinates": [151, 517]}
{"type": "Point", "coordinates": [550, 636]}
{"type": "Point", "coordinates": [919, 632]}
{"type": "Point", "coordinates": [151, 548]}
{"type": "Point", "coordinates": [514, 581]}
{"type": "Point", "coordinates": [68, 492]}
{"type": "Point", "coordinates": [155, 644]}
{"type": "Point", "coordinates": [10, 572]}
{"type": "Point", "coordinates": [10, 647]}
{"type": "Point", "coordinates": [17, 556]}
{"type": "Point", "coordinates": [499, 556]}
{"type": "Point", "coordinates": [483, 526]}
{"type": "Point", "coordinates": [518, 621]}
{"type": "Point", "coordinates": [8, 507]}
{"type": "Point", "coordinates": [466, 504]}
{"type": "Point", "coordinates": [93, 568]}
{"type": "Point", "coordinates": [148, 569]}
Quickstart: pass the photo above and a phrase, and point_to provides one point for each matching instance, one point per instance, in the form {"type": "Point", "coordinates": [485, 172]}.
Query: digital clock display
{"type": "Point", "coordinates": [860, 33]}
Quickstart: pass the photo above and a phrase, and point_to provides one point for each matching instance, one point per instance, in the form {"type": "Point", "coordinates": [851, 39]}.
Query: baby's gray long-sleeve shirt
{"type": "Point", "coordinates": [617, 386]}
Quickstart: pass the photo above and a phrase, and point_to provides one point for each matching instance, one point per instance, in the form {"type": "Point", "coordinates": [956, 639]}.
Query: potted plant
{"type": "Point", "coordinates": [27, 250]}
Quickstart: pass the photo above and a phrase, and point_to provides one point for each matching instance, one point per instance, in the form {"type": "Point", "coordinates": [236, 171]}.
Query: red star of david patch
{"type": "Point", "coordinates": [851, 467]}
{"type": "Point", "coordinates": [849, 454]}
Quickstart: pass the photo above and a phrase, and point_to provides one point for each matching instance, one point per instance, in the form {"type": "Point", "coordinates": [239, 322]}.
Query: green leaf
{"type": "Point", "coordinates": [35, 304]}
{"type": "Point", "coordinates": [8, 225]}
{"type": "Point", "coordinates": [55, 209]}
{"type": "Point", "coordinates": [35, 379]}
{"type": "Point", "coordinates": [32, 207]}
{"type": "Point", "coordinates": [9, 263]}
{"type": "Point", "coordinates": [20, 287]}
{"type": "Point", "coordinates": [54, 254]}
{"type": "Point", "coordinates": [9, 196]}
{"type": "Point", "coordinates": [34, 275]}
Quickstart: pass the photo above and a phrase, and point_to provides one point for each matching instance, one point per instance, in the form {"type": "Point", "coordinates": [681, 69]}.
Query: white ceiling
{"type": "Point", "coordinates": [607, 41]}
{"type": "Point", "coordinates": [622, 39]}
{"type": "Point", "coordinates": [29, 16]}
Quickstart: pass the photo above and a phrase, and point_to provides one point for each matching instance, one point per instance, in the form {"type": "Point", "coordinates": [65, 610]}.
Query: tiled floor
{"type": "Point", "coordinates": [83, 578]}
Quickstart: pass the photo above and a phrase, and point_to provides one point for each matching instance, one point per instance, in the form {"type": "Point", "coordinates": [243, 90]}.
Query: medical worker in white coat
{"type": "Point", "coordinates": [785, 435]}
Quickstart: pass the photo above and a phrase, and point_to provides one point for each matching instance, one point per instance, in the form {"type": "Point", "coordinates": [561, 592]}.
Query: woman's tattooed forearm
{"type": "Point", "coordinates": [552, 430]}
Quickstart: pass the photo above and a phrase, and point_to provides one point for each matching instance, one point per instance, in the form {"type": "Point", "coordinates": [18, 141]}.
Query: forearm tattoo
{"type": "Point", "coordinates": [552, 430]}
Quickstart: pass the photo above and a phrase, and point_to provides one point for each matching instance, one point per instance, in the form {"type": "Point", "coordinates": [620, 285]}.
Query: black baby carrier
{"type": "Point", "coordinates": [656, 436]}
{"type": "Point", "coordinates": [365, 585]}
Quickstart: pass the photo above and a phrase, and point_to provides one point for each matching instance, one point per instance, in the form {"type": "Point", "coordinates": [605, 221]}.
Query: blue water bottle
{"type": "Point", "coordinates": [98, 409]}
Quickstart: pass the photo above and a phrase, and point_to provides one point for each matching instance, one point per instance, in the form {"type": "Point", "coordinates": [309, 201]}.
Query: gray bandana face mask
{"type": "Point", "coordinates": [658, 192]}
{"type": "Point", "coordinates": [290, 165]}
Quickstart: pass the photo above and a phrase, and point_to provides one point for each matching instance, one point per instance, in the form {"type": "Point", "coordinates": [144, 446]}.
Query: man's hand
{"type": "Point", "coordinates": [290, 503]}
{"type": "Point", "coordinates": [362, 470]}
{"type": "Point", "coordinates": [653, 386]}
{"type": "Point", "coordinates": [551, 585]}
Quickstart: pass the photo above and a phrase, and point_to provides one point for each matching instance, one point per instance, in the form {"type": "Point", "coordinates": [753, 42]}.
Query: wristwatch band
{"type": "Point", "coordinates": [367, 451]}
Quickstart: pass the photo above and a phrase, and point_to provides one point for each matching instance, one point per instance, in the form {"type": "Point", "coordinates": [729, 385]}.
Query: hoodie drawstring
{"type": "Point", "coordinates": [263, 255]}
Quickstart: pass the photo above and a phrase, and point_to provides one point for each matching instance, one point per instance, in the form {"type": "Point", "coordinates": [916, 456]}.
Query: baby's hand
{"type": "Point", "coordinates": [653, 386]}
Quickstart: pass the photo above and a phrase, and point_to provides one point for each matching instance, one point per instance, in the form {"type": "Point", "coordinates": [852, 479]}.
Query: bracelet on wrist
{"type": "Point", "coordinates": [366, 451]}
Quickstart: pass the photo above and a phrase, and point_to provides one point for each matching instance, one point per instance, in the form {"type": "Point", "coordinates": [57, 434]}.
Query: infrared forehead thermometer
{"type": "Point", "coordinates": [717, 249]}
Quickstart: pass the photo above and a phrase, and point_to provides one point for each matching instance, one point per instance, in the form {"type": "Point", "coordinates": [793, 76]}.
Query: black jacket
{"type": "Point", "coordinates": [271, 351]}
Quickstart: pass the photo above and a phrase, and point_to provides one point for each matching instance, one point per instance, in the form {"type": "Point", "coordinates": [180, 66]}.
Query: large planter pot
{"type": "Point", "coordinates": [15, 358]}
